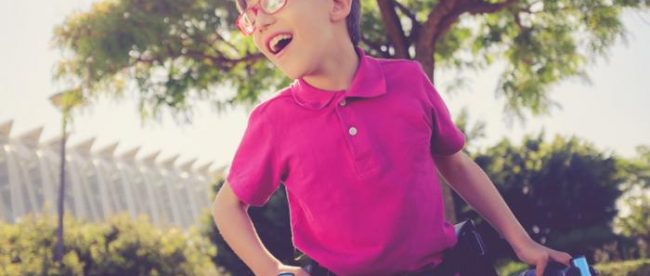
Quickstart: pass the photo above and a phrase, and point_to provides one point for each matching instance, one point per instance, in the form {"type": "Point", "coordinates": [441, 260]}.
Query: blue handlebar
{"type": "Point", "coordinates": [578, 267]}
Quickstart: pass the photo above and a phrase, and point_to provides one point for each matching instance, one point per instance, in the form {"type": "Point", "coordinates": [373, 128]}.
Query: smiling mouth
{"type": "Point", "coordinates": [279, 42]}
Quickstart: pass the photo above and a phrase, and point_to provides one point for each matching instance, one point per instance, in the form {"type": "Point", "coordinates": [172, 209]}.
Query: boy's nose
{"type": "Point", "coordinates": [263, 20]}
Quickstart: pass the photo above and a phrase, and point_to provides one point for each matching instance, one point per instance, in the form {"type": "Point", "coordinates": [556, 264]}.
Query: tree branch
{"type": "Point", "coordinates": [479, 7]}
{"type": "Point", "coordinates": [375, 46]}
{"type": "Point", "coordinates": [220, 60]}
{"type": "Point", "coordinates": [447, 12]}
{"type": "Point", "coordinates": [415, 25]}
{"type": "Point", "coordinates": [406, 12]}
{"type": "Point", "coordinates": [224, 40]}
{"type": "Point", "coordinates": [440, 20]}
{"type": "Point", "coordinates": [394, 29]}
{"type": "Point", "coordinates": [431, 27]}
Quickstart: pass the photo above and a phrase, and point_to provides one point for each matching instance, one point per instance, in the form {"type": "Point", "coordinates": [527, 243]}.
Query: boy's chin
{"type": "Point", "coordinates": [295, 69]}
{"type": "Point", "coordinates": [292, 74]}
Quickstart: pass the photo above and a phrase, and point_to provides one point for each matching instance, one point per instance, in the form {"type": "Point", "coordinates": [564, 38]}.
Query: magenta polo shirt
{"type": "Point", "coordinates": [364, 195]}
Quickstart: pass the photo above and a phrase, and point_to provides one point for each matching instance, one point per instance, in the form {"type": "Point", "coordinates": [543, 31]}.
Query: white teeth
{"type": "Point", "coordinates": [276, 39]}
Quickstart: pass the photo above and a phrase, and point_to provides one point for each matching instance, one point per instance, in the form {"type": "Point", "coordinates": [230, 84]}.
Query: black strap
{"type": "Point", "coordinates": [315, 269]}
{"type": "Point", "coordinates": [469, 249]}
{"type": "Point", "coordinates": [446, 268]}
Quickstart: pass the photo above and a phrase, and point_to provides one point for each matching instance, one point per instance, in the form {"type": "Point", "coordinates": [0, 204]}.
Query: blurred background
{"type": "Point", "coordinates": [153, 96]}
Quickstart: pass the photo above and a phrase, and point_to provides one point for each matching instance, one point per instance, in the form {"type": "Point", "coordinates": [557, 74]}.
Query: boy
{"type": "Point", "coordinates": [356, 142]}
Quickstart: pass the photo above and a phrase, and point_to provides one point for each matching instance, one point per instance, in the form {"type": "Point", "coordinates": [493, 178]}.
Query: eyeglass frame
{"type": "Point", "coordinates": [258, 7]}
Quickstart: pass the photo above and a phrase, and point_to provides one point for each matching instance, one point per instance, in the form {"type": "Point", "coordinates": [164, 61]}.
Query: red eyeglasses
{"type": "Point", "coordinates": [246, 20]}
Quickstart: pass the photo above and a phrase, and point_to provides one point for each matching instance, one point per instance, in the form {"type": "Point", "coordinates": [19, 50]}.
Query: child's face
{"type": "Point", "coordinates": [307, 26]}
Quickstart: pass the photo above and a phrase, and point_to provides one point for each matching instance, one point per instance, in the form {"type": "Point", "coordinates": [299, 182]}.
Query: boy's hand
{"type": "Point", "coordinates": [533, 253]}
{"type": "Point", "coordinates": [296, 270]}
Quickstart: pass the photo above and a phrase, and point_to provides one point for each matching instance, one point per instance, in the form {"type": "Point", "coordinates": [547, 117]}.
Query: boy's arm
{"type": "Point", "coordinates": [231, 217]}
{"type": "Point", "coordinates": [474, 186]}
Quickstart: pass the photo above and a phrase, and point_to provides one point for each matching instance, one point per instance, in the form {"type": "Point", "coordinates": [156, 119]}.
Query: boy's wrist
{"type": "Point", "coordinates": [520, 241]}
{"type": "Point", "coordinates": [273, 267]}
{"type": "Point", "coordinates": [291, 270]}
{"type": "Point", "coordinates": [515, 235]}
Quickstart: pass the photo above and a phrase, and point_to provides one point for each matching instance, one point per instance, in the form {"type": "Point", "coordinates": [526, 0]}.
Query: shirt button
{"type": "Point", "coordinates": [352, 131]}
{"type": "Point", "coordinates": [342, 103]}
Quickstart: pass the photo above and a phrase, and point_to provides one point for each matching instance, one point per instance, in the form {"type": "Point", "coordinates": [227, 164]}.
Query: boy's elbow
{"type": "Point", "coordinates": [226, 201]}
{"type": "Point", "coordinates": [216, 208]}
{"type": "Point", "coordinates": [450, 161]}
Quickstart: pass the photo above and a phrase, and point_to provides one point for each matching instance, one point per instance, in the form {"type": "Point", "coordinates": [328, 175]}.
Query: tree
{"type": "Point", "coordinates": [563, 192]}
{"type": "Point", "coordinates": [636, 223]}
{"type": "Point", "coordinates": [637, 169]}
{"type": "Point", "coordinates": [176, 52]}
{"type": "Point", "coordinates": [179, 50]}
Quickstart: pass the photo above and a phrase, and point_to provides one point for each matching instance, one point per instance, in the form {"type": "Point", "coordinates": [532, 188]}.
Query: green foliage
{"type": "Point", "coordinates": [637, 169]}
{"type": "Point", "coordinates": [545, 42]}
{"type": "Point", "coordinates": [617, 249]}
{"type": "Point", "coordinates": [473, 132]}
{"type": "Point", "coordinates": [639, 267]}
{"type": "Point", "coordinates": [540, 42]}
{"type": "Point", "coordinates": [637, 223]}
{"type": "Point", "coordinates": [120, 246]}
{"type": "Point", "coordinates": [562, 192]}
{"type": "Point", "coordinates": [626, 268]}
{"type": "Point", "coordinates": [510, 268]}
{"type": "Point", "coordinates": [634, 223]}
{"type": "Point", "coordinates": [178, 52]}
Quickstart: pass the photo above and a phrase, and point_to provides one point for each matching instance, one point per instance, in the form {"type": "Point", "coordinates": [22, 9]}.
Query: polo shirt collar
{"type": "Point", "coordinates": [369, 81]}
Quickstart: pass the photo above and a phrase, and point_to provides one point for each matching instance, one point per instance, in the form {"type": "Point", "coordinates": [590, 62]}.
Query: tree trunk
{"type": "Point", "coordinates": [424, 37]}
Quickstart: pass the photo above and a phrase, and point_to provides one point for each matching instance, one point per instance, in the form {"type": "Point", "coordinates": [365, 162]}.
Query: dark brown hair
{"type": "Point", "coordinates": [354, 22]}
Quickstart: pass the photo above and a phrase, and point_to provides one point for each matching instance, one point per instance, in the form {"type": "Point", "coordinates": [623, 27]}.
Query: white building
{"type": "Point", "coordinates": [98, 183]}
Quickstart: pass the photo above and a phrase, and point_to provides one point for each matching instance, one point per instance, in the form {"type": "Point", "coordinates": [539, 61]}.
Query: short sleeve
{"type": "Point", "coordinates": [447, 139]}
{"type": "Point", "coordinates": [256, 171]}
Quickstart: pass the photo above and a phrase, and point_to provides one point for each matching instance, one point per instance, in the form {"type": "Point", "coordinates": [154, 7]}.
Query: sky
{"type": "Point", "coordinates": [612, 112]}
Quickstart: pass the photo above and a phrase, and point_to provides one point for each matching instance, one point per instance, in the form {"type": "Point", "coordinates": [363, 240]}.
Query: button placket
{"type": "Point", "coordinates": [362, 159]}
{"type": "Point", "coordinates": [349, 131]}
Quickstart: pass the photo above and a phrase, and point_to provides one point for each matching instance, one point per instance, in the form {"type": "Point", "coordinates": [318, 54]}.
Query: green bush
{"type": "Point", "coordinates": [563, 192]}
{"type": "Point", "coordinates": [507, 267]}
{"type": "Point", "coordinates": [625, 268]}
{"type": "Point", "coordinates": [120, 246]}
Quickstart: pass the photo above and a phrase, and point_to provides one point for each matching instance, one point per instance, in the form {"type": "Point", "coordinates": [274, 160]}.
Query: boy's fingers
{"type": "Point", "coordinates": [541, 266]}
{"type": "Point", "coordinates": [562, 257]}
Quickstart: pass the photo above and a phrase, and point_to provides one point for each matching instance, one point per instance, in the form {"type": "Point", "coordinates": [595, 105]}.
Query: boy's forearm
{"type": "Point", "coordinates": [237, 229]}
{"type": "Point", "coordinates": [475, 187]}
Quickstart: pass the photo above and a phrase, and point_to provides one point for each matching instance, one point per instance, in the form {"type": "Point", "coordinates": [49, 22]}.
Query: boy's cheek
{"type": "Point", "coordinates": [260, 45]}
{"type": "Point", "coordinates": [256, 41]}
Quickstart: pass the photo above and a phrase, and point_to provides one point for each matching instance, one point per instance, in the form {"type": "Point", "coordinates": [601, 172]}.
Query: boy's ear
{"type": "Point", "coordinates": [340, 9]}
